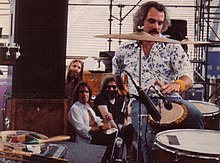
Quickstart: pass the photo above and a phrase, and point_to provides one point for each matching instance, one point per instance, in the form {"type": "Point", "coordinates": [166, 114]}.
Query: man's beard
{"type": "Point", "coordinates": [72, 75]}
{"type": "Point", "coordinates": [111, 94]}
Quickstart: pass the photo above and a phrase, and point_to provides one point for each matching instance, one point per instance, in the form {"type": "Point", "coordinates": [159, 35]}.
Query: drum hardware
{"type": "Point", "coordinates": [7, 122]}
{"type": "Point", "coordinates": [217, 101]}
{"type": "Point", "coordinates": [214, 92]}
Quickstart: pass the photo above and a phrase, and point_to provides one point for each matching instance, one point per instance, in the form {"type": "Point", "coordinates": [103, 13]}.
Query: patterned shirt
{"type": "Point", "coordinates": [166, 62]}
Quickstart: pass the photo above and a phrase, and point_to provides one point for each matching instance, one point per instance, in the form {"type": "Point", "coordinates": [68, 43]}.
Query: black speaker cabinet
{"type": "Point", "coordinates": [40, 28]}
{"type": "Point", "coordinates": [177, 31]}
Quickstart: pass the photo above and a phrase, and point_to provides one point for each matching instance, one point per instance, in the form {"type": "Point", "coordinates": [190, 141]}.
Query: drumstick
{"type": "Point", "coordinates": [28, 139]}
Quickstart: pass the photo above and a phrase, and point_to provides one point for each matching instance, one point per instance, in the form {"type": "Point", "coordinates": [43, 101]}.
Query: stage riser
{"type": "Point", "coordinates": [45, 116]}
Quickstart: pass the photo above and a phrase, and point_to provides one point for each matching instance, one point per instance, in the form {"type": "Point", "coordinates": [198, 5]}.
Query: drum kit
{"type": "Point", "coordinates": [181, 145]}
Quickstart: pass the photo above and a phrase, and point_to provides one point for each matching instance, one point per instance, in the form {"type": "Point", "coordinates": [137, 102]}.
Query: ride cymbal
{"type": "Point", "coordinates": [140, 36]}
{"type": "Point", "coordinates": [188, 41]}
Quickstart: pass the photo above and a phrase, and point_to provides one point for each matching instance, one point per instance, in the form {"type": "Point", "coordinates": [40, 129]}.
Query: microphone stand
{"type": "Point", "coordinates": [144, 99]}
{"type": "Point", "coordinates": [139, 151]}
{"type": "Point", "coordinates": [139, 134]}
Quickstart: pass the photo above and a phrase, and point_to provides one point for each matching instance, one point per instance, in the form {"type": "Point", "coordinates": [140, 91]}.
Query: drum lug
{"type": "Point", "coordinates": [7, 122]}
{"type": "Point", "coordinates": [176, 157]}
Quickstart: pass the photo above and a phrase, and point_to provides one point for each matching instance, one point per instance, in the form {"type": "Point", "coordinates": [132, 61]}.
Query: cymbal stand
{"type": "Point", "coordinates": [139, 133]}
{"type": "Point", "coordinates": [139, 151]}
{"type": "Point", "coordinates": [120, 19]}
{"type": "Point", "coordinates": [110, 23]}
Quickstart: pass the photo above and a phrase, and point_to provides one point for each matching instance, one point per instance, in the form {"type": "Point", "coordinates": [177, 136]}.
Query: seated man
{"type": "Point", "coordinates": [109, 101]}
{"type": "Point", "coordinates": [89, 127]}
{"type": "Point", "coordinates": [74, 74]}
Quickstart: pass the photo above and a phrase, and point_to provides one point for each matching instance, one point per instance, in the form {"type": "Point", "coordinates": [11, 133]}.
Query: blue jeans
{"type": "Point", "coordinates": [193, 120]}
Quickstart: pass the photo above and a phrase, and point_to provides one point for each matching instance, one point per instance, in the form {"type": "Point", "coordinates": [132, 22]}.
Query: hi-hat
{"type": "Point", "coordinates": [188, 41]}
{"type": "Point", "coordinates": [140, 36]}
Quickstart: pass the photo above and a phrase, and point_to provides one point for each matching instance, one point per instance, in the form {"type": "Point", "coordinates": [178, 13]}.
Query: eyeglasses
{"type": "Point", "coordinates": [83, 91]}
{"type": "Point", "coordinates": [111, 86]}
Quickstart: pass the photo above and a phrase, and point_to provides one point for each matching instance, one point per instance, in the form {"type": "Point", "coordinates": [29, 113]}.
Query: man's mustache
{"type": "Point", "coordinates": [153, 31]}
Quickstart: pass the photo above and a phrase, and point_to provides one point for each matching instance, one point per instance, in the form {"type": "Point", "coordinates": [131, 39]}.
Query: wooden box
{"type": "Point", "coordinates": [45, 116]}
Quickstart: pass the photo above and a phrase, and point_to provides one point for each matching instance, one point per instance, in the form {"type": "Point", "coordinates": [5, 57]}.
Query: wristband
{"type": "Point", "coordinates": [182, 84]}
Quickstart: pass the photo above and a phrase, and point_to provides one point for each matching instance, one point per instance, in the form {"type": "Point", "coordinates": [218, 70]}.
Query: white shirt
{"type": "Point", "coordinates": [79, 118]}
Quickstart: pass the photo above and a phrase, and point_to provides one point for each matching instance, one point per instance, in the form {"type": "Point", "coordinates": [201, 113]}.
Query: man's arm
{"type": "Point", "coordinates": [180, 85]}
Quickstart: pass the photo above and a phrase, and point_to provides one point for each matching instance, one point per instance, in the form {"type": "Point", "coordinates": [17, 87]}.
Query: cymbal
{"type": "Point", "coordinates": [140, 36]}
{"type": "Point", "coordinates": [188, 41]}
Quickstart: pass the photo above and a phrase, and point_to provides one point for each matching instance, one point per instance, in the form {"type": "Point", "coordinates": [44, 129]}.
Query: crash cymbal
{"type": "Point", "coordinates": [140, 36]}
{"type": "Point", "coordinates": [188, 41]}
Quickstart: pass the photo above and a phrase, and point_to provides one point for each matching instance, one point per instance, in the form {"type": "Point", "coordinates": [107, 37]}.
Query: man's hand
{"type": "Point", "coordinates": [168, 88]}
{"type": "Point", "coordinates": [108, 117]}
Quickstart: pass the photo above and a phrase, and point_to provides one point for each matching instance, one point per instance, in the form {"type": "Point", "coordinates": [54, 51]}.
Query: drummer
{"type": "Point", "coordinates": [164, 65]}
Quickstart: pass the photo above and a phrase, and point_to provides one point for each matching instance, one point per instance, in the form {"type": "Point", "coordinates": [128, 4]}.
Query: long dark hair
{"type": "Point", "coordinates": [105, 83]}
{"type": "Point", "coordinates": [76, 90]}
{"type": "Point", "coordinates": [140, 15]}
{"type": "Point", "coordinates": [68, 69]}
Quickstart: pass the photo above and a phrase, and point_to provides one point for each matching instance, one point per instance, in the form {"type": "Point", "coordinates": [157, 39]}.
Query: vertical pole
{"type": "Point", "coordinates": [110, 24]}
{"type": "Point", "coordinates": [206, 53]}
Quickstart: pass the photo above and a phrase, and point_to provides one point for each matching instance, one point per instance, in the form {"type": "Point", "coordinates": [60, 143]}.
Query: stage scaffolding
{"type": "Point", "coordinates": [206, 17]}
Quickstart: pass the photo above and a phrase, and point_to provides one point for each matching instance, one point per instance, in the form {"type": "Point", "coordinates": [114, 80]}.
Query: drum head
{"type": "Point", "coordinates": [205, 107]}
{"type": "Point", "coordinates": [169, 116]}
{"type": "Point", "coordinates": [197, 141]}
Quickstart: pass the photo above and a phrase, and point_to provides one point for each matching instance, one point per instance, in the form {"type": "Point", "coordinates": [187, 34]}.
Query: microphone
{"type": "Point", "coordinates": [145, 99]}
{"type": "Point", "coordinates": [120, 85]}
{"type": "Point", "coordinates": [167, 104]}
{"type": "Point", "coordinates": [148, 103]}
{"type": "Point", "coordinates": [118, 150]}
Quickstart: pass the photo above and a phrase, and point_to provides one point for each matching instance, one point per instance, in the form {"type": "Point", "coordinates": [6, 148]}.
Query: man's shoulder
{"type": "Point", "coordinates": [128, 44]}
{"type": "Point", "coordinates": [100, 97]}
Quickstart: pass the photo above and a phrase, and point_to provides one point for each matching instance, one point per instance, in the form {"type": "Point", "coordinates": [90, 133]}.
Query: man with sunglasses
{"type": "Point", "coordinates": [109, 101]}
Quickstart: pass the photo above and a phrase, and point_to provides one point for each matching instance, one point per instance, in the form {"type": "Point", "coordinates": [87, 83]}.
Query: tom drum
{"type": "Point", "coordinates": [187, 146]}
{"type": "Point", "coordinates": [211, 114]}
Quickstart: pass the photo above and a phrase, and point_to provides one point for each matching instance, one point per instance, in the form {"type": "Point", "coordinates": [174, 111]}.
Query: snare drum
{"type": "Point", "coordinates": [187, 146]}
{"type": "Point", "coordinates": [170, 118]}
{"type": "Point", "coordinates": [210, 112]}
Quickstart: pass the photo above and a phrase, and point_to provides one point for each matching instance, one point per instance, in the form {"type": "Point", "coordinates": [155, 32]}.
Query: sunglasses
{"type": "Point", "coordinates": [83, 91]}
{"type": "Point", "coordinates": [111, 86]}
